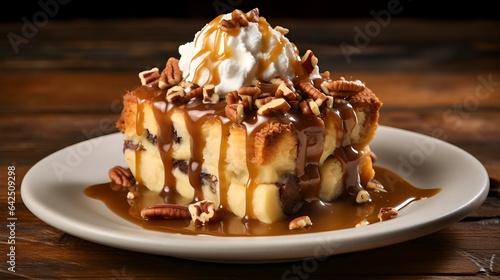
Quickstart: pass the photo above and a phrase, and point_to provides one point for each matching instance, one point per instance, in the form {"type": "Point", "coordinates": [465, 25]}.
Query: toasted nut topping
{"type": "Point", "coordinates": [165, 211]}
{"type": "Point", "coordinates": [209, 95]}
{"type": "Point", "coordinates": [300, 222]}
{"type": "Point", "coordinates": [235, 112]}
{"type": "Point", "coordinates": [239, 17]}
{"type": "Point", "coordinates": [121, 177]}
{"type": "Point", "coordinates": [278, 105]}
{"type": "Point", "coordinates": [253, 15]}
{"type": "Point", "coordinates": [375, 186]}
{"type": "Point", "coordinates": [227, 25]}
{"type": "Point", "coordinates": [175, 93]}
{"type": "Point", "coordinates": [387, 213]}
{"type": "Point", "coordinates": [252, 92]}
{"type": "Point", "coordinates": [362, 223]}
{"type": "Point", "coordinates": [362, 196]}
{"type": "Point", "coordinates": [343, 88]}
{"type": "Point", "coordinates": [247, 102]}
{"type": "Point", "coordinates": [232, 97]}
{"type": "Point", "coordinates": [309, 61]}
{"type": "Point", "coordinates": [314, 107]}
{"type": "Point", "coordinates": [313, 92]}
{"type": "Point", "coordinates": [281, 30]}
{"type": "Point", "coordinates": [150, 77]}
{"type": "Point", "coordinates": [262, 101]}
{"type": "Point", "coordinates": [202, 212]}
{"type": "Point", "coordinates": [193, 91]}
{"type": "Point", "coordinates": [304, 107]}
{"type": "Point", "coordinates": [171, 75]}
{"type": "Point", "coordinates": [284, 91]}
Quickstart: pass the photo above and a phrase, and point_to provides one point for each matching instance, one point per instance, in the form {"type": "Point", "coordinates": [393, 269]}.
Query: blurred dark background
{"type": "Point", "coordinates": [14, 11]}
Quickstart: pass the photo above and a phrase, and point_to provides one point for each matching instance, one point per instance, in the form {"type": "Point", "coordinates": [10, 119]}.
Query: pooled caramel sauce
{"type": "Point", "coordinates": [340, 214]}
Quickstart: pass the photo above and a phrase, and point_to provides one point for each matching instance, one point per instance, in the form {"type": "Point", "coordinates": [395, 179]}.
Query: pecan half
{"type": "Point", "coordinates": [121, 178]}
{"type": "Point", "coordinates": [165, 211]}
{"type": "Point", "coordinates": [343, 88]}
{"type": "Point", "coordinates": [171, 75]}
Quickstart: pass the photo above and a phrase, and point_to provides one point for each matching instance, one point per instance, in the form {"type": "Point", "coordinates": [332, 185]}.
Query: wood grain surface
{"type": "Point", "coordinates": [64, 85]}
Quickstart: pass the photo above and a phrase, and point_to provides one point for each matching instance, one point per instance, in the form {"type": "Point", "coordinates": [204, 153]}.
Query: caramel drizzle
{"type": "Point", "coordinates": [212, 52]}
{"type": "Point", "coordinates": [347, 153]}
{"type": "Point", "coordinates": [277, 48]}
{"type": "Point", "coordinates": [142, 95]}
{"type": "Point", "coordinates": [215, 49]}
{"type": "Point", "coordinates": [309, 130]}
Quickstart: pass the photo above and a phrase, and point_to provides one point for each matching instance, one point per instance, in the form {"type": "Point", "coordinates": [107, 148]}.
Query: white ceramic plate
{"type": "Point", "coordinates": [53, 191]}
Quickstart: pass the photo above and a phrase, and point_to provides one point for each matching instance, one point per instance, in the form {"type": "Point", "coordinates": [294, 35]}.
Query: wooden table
{"type": "Point", "coordinates": [63, 84]}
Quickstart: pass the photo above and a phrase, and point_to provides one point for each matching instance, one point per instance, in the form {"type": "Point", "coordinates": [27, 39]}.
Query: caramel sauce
{"type": "Point", "coordinates": [341, 214]}
{"type": "Point", "coordinates": [309, 130]}
{"type": "Point", "coordinates": [212, 53]}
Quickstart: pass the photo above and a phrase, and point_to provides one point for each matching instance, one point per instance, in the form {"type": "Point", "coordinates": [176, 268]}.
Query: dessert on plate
{"type": "Point", "coordinates": [244, 121]}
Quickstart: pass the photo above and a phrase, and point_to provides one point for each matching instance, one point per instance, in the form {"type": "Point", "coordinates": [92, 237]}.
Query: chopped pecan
{"type": "Point", "coordinates": [175, 93]}
{"type": "Point", "coordinates": [304, 107]}
{"type": "Point", "coordinates": [227, 25]}
{"type": "Point", "coordinates": [202, 212]}
{"type": "Point", "coordinates": [268, 88]}
{"type": "Point", "coordinates": [235, 112]}
{"type": "Point", "coordinates": [165, 211]}
{"type": "Point", "coordinates": [259, 102]}
{"type": "Point", "coordinates": [232, 97]}
{"type": "Point", "coordinates": [387, 213]}
{"type": "Point", "coordinates": [171, 75]}
{"type": "Point", "coordinates": [281, 30]}
{"type": "Point", "coordinates": [209, 95]}
{"type": "Point", "coordinates": [253, 92]}
{"type": "Point", "coordinates": [239, 17]}
{"type": "Point", "coordinates": [193, 91]}
{"type": "Point", "coordinates": [363, 196]}
{"type": "Point", "coordinates": [300, 222]}
{"type": "Point", "coordinates": [362, 223]}
{"type": "Point", "coordinates": [375, 186]}
{"type": "Point", "coordinates": [314, 107]}
{"type": "Point", "coordinates": [313, 92]}
{"type": "Point", "coordinates": [284, 91]}
{"type": "Point", "coordinates": [309, 61]}
{"type": "Point", "coordinates": [150, 77]}
{"type": "Point", "coordinates": [278, 105]}
{"type": "Point", "coordinates": [253, 15]}
{"type": "Point", "coordinates": [247, 102]}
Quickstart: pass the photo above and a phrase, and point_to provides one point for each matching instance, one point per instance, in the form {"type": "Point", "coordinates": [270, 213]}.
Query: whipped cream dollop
{"type": "Point", "coordinates": [231, 59]}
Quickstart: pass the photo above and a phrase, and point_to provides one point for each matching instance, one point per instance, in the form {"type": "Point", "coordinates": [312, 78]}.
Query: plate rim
{"type": "Point", "coordinates": [260, 245]}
